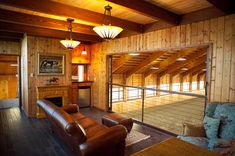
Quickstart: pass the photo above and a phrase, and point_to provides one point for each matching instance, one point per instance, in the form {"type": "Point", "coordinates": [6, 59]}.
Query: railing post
{"type": "Point", "coordinates": [142, 113]}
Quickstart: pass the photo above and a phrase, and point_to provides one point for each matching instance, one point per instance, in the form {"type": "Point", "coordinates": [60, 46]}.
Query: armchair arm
{"type": "Point", "coordinates": [193, 130]}
{"type": "Point", "coordinates": [110, 138]}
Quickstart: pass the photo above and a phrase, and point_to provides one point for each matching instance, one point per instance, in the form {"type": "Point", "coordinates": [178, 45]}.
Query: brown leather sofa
{"type": "Point", "coordinates": [83, 135]}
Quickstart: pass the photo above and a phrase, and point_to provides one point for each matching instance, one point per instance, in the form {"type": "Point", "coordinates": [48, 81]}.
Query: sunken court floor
{"type": "Point", "coordinates": [167, 112]}
{"type": "Point", "coordinates": [22, 136]}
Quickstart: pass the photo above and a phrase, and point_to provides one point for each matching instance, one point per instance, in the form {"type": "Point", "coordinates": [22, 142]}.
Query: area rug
{"type": "Point", "coordinates": [134, 137]}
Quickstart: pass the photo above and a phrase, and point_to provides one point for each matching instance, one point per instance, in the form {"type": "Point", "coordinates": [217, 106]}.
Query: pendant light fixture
{"type": "Point", "coordinates": [106, 30]}
{"type": "Point", "coordinates": [70, 43]}
{"type": "Point", "coordinates": [84, 51]}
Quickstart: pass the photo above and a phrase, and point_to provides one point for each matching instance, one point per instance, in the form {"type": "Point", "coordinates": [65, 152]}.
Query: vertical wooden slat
{"type": "Point", "coordinates": [219, 59]}
{"type": "Point", "coordinates": [227, 58]}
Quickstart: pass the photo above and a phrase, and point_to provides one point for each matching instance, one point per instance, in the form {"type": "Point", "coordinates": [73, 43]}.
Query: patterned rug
{"type": "Point", "coordinates": [135, 137]}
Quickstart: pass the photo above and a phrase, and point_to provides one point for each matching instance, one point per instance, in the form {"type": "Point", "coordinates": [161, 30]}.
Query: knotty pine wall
{"type": "Point", "coordinates": [218, 32]}
{"type": "Point", "coordinates": [33, 46]}
{"type": "Point", "coordinates": [9, 48]}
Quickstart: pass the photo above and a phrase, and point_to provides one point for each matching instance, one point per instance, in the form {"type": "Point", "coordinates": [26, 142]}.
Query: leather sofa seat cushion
{"type": "Point", "coordinates": [86, 122]}
{"type": "Point", "coordinates": [93, 130]}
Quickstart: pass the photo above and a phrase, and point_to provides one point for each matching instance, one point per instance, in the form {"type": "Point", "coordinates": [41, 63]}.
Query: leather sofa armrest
{"type": "Point", "coordinates": [193, 130]}
{"type": "Point", "coordinates": [108, 138]}
{"type": "Point", "coordinates": [71, 108]}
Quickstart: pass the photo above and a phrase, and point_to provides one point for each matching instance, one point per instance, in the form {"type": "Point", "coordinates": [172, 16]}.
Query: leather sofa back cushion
{"type": "Point", "coordinates": [71, 108]}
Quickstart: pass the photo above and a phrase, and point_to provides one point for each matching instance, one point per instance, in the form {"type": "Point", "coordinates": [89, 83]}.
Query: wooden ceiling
{"type": "Point", "coordinates": [161, 62]}
{"type": "Point", "coordinates": [48, 17]}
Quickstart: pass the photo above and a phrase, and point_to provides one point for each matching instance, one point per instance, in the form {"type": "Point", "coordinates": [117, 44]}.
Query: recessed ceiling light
{"type": "Point", "coordinates": [14, 65]}
{"type": "Point", "coordinates": [134, 54]}
{"type": "Point", "coordinates": [154, 68]}
{"type": "Point", "coordinates": [181, 59]}
{"type": "Point", "coordinates": [184, 69]}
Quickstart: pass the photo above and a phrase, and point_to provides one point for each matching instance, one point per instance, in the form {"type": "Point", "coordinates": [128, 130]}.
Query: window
{"type": "Point", "coordinates": [186, 87]}
{"type": "Point", "coordinates": [176, 87]}
{"type": "Point", "coordinates": [194, 85]}
{"type": "Point", "coordinates": [150, 92]}
{"type": "Point", "coordinates": [117, 94]}
{"type": "Point", "coordinates": [133, 93]}
{"type": "Point", "coordinates": [164, 87]}
{"type": "Point", "coordinates": [201, 84]}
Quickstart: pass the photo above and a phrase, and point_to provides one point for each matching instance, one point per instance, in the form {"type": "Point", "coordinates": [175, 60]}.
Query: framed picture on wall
{"type": "Point", "coordinates": [50, 64]}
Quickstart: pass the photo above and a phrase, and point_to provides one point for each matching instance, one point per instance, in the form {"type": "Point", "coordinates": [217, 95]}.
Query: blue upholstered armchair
{"type": "Point", "coordinates": [217, 133]}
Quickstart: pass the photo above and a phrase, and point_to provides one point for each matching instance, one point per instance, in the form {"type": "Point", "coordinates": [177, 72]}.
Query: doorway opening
{"type": "Point", "coordinates": [163, 88]}
{"type": "Point", "coordinates": [9, 81]}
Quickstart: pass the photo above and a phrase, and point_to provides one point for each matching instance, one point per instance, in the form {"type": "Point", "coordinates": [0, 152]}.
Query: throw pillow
{"type": "Point", "coordinates": [193, 130]}
{"type": "Point", "coordinates": [211, 126]}
{"type": "Point", "coordinates": [226, 113]}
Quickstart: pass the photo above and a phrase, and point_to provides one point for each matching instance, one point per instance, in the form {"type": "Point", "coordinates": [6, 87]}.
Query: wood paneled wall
{"type": "Point", "coordinates": [218, 32]}
{"type": "Point", "coordinates": [35, 45]}
{"type": "Point", "coordinates": [9, 48]}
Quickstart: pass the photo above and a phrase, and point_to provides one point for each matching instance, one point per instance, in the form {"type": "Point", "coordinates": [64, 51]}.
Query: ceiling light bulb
{"type": "Point", "coordinates": [184, 69]}
{"type": "Point", "coordinates": [134, 54]}
{"type": "Point", "coordinates": [154, 68]}
{"type": "Point", "coordinates": [181, 59]}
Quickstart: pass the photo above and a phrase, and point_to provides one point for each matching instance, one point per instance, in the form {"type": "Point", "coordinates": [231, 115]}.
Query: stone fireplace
{"type": "Point", "coordinates": [57, 94]}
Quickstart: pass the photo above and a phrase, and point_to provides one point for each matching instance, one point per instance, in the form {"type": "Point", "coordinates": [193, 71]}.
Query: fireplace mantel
{"type": "Point", "coordinates": [51, 91]}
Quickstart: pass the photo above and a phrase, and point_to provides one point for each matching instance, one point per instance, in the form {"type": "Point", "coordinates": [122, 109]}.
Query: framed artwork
{"type": "Point", "coordinates": [50, 64]}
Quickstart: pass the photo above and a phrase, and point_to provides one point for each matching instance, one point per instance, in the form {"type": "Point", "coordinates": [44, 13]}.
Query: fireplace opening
{"type": "Point", "coordinates": [56, 100]}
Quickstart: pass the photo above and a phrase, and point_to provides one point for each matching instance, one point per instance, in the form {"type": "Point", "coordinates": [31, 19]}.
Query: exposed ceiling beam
{"type": "Point", "coordinates": [189, 65]}
{"type": "Point", "coordinates": [149, 10]}
{"type": "Point", "coordinates": [227, 6]}
{"type": "Point", "coordinates": [55, 8]}
{"type": "Point", "coordinates": [11, 35]}
{"type": "Point", "coordinates": [144, 63]}
{"type": "Point", "coordinates": [167, 62]}
{"type": "Point", "coordinates": [33, 20]}
{"type": "Point", "coordinates": [200, 15]}
{"type": "Point", "coordinates": [119, 62]}
{"type": "Point", "coordinates": [190, 58]}
{"type": "Point", "coordinates": [36, 31]}
{"type": "Point", "coordinates": [194, 69]}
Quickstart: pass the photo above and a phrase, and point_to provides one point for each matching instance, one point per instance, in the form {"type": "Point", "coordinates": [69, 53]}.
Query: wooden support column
{"type": "Point", "coordinates": [190, 82]}
{"type": "Point", "coordinates": [198, 82]}
{"type": "Point", "coordinates": [158, 78]}
{"type": "Point", "coordinates": [181, 82]}
{"type": "Point", "coordinates": [124, 88]}
{"type": "Point", "coordinates": [170, 83]}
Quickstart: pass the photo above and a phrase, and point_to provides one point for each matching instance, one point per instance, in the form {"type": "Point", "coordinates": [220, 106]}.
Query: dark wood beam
{"type": "Point", "coordinates": [9, 39]}
{"type": "Point", "coordinates": [55, 8]}
{"type": "Point", "coordinates": [36, 31]}
{"type": "Point", "coordinates": [149, 10]}
{"type": "Point", "coordinates": [33, 20]}
{"type": "Point", "coordinates": [227, 6]}
{"type": "Point", "coordinates": [200, 15]}
{"type": "Point", "coordinates": [12, 35]}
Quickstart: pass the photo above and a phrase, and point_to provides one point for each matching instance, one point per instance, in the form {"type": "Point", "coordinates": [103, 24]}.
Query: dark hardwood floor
{"type": "Point", "coordinates": [22, 136]}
